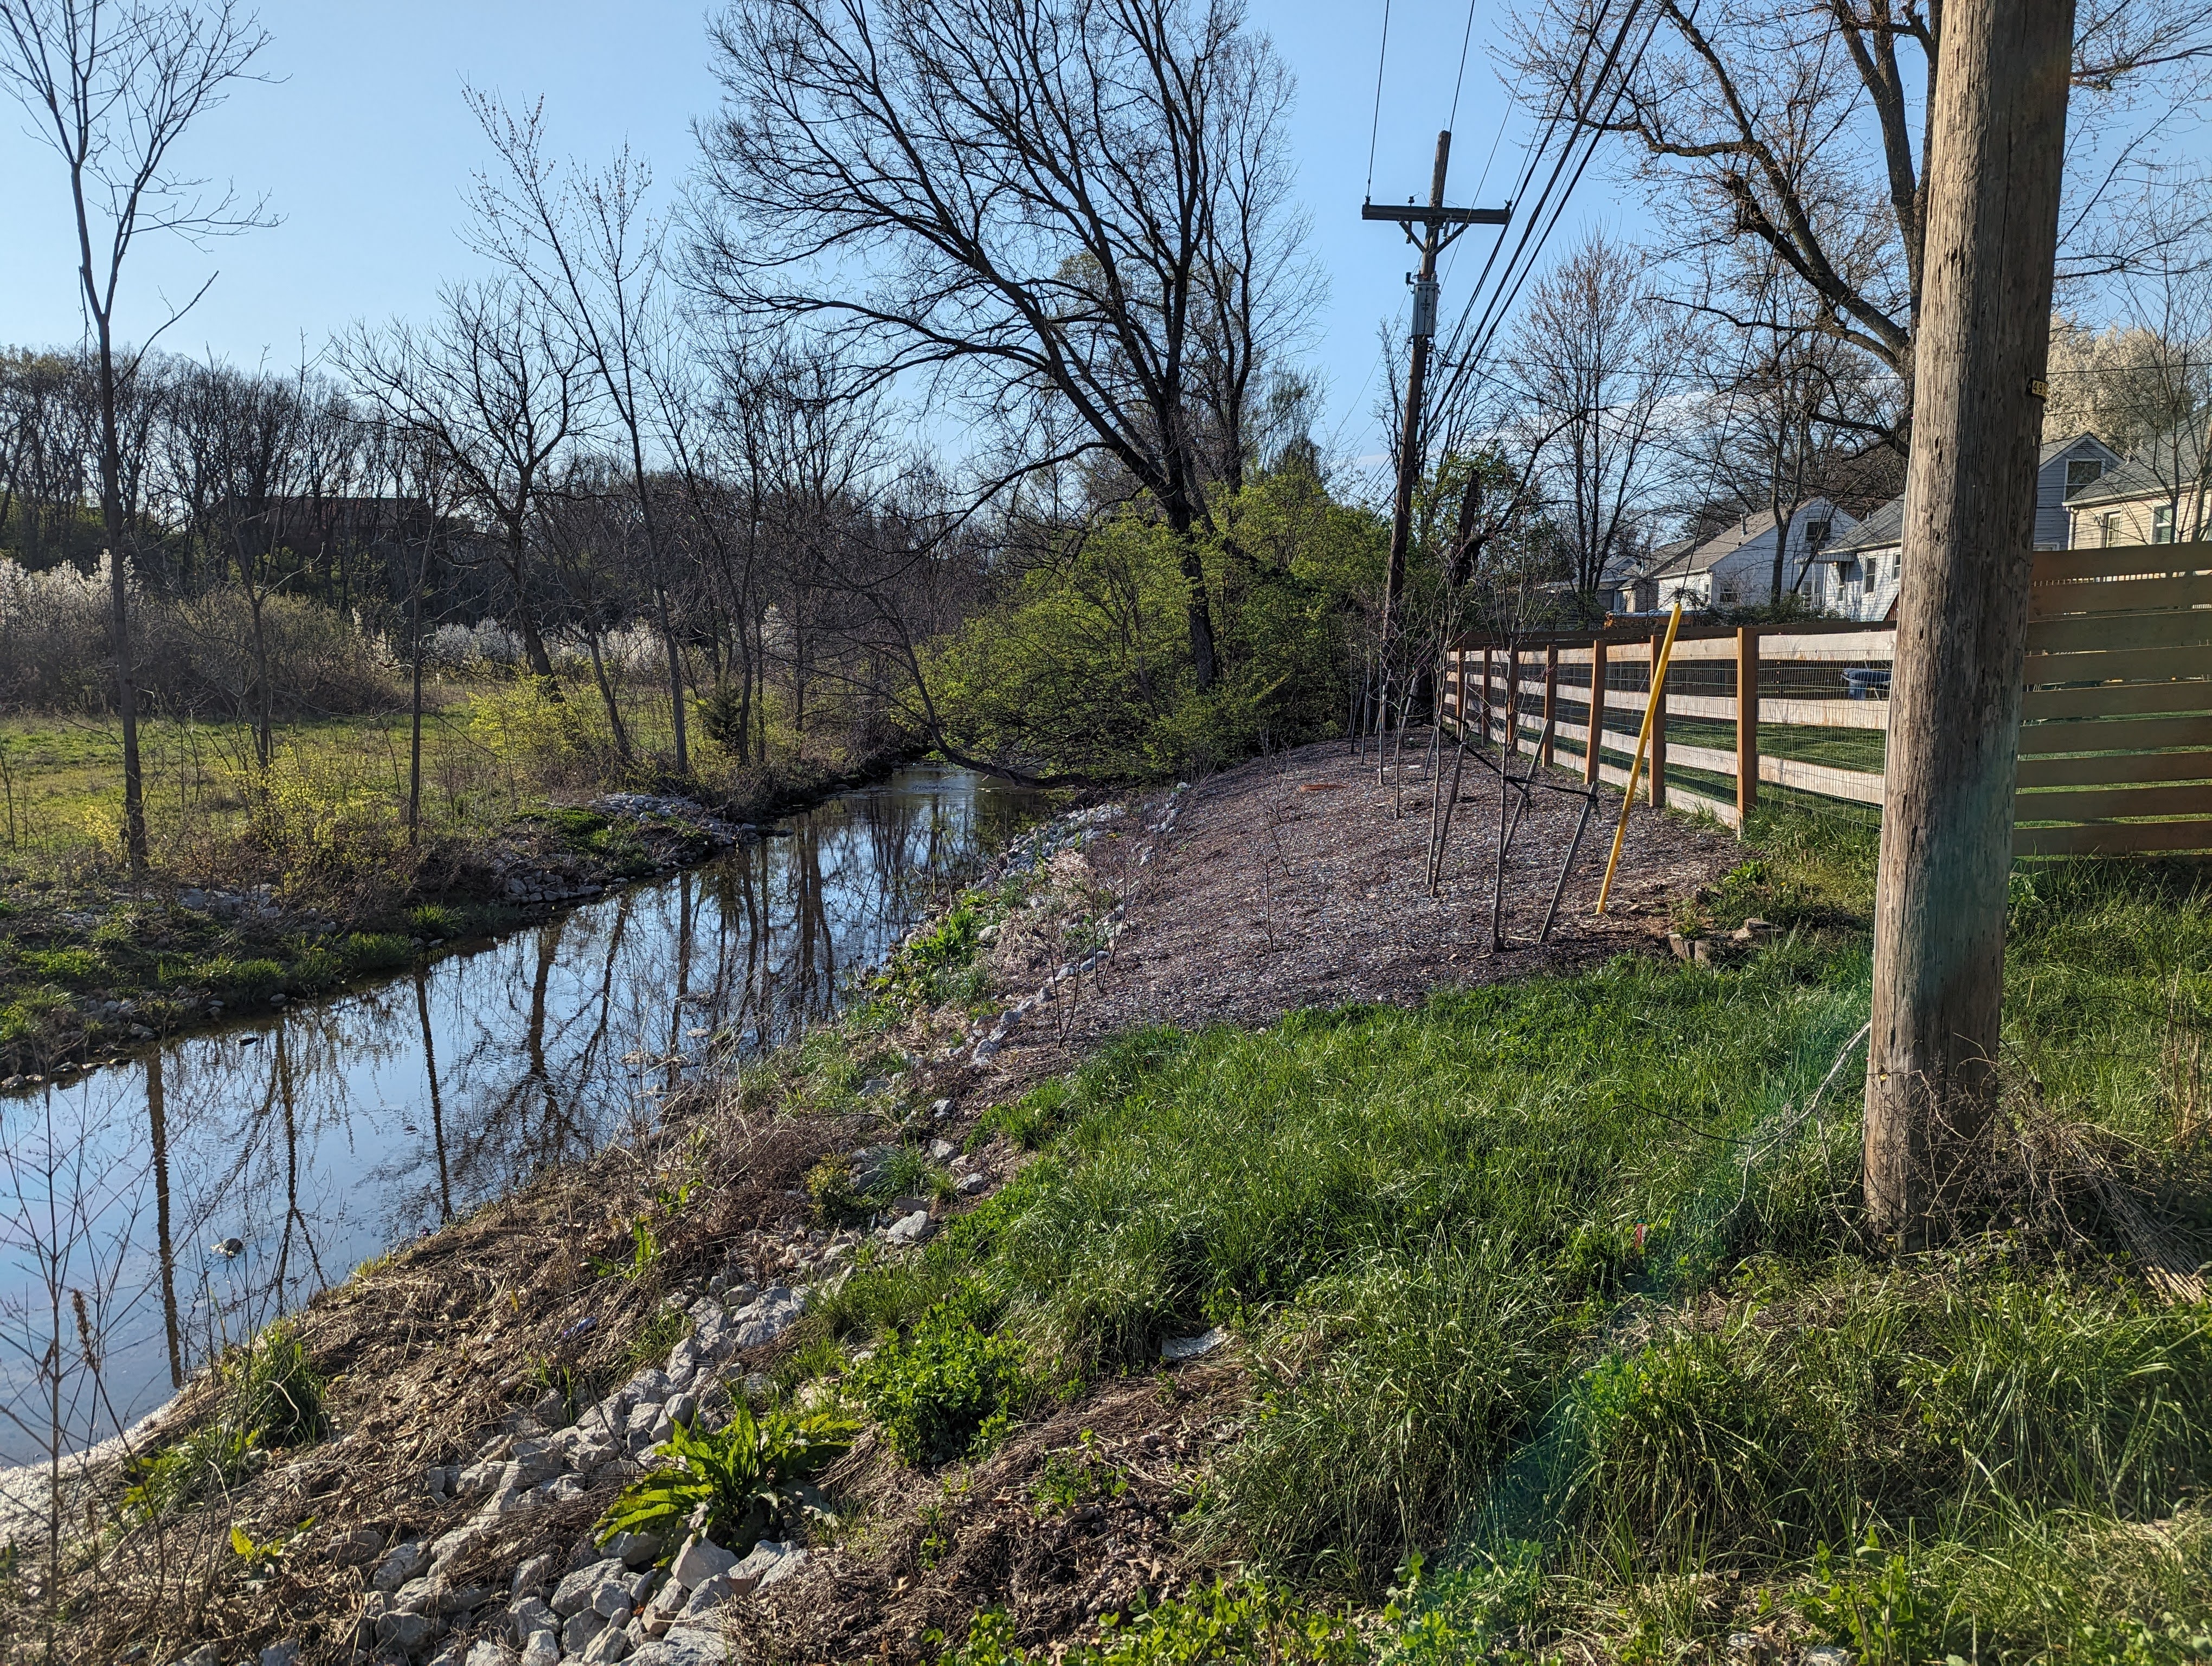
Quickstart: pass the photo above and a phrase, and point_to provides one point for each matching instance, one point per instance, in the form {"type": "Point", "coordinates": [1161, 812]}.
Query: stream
{"type": "Point", "coordinates": [190, 1196]}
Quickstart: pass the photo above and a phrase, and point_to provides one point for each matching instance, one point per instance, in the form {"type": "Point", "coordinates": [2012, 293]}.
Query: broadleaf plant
{"type": "Point", "coordinates": [734, 1482]}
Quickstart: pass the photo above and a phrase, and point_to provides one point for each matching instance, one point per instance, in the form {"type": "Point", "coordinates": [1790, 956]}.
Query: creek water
{"type": "Point", "coordinates": [189, 1196]}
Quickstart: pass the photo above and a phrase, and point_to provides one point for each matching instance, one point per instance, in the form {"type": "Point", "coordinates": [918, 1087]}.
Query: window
{"type": "Point", "coordinates": [2161, 524]}
{"type": "Point", "coordinates": [2108, 530]}
{"type": "Point", "coordinates": [2083, 472]}
{"type": "Point", "coordinates": [1816, 532]}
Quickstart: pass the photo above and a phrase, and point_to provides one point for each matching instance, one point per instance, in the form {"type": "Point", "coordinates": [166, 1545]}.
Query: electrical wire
{"type": "Point", "coordinates": [1465, 39]}
{"type": "Point", "coordinates": [1374, 126]}
{"type": "Point", "coordinates": [1525, 255]}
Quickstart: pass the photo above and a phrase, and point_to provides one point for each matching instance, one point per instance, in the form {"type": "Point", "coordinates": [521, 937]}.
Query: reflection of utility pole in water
{"type": "Point", "coordinates": [437, 1103]}
{"type": "Point", "coordinates": [683, 977]}
{"type": "Point", "coordinates": [549, 943]}
{"type": "Point", "coordinates": [292, 1215]}
{"type": "Point", "coordinates": [157, 1122]}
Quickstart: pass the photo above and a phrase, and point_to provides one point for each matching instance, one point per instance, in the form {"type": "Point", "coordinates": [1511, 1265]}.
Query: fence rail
{"type": "Point", "coordinates": [2116, 735]}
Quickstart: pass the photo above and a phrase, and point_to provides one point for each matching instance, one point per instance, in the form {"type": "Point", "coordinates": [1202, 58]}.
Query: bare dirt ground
{"type": "Point", "coordinates": [1297, 881]}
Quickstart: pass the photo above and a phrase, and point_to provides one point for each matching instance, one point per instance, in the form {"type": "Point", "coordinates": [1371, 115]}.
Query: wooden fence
{"type": "Point", "coordinates": [2116, 737]}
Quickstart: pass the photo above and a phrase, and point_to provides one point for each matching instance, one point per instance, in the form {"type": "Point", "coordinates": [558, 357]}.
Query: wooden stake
{"type": "Point", "coordinates": [1643, 739]}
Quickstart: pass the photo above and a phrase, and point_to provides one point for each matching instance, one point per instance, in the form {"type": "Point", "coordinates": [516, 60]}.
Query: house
{"type": "Point", "coordinates": [2156, 496]}
{"type": "Point", "coordinates": [1627, 587]}
{"type": "Point", "coordinates": [1736, 568]}
{"type": "Point", "coordinates": [1857, 574]}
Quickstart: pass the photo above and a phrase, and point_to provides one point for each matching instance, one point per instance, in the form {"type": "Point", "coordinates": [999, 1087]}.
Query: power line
{"type": "Point", "coordinates": [1375, 126]}
{"type": "Point", "coordinates": [1458, 80]}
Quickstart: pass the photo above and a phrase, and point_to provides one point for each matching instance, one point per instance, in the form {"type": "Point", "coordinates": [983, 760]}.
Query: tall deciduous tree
{"type": "Point", "coordinates": [112, 87]}
{"type": "Point", "coordinates": [1069, 215]}
{"type": "Point", "coordinates": [498, 386]}
{"type": "Point", "coordinates": [585, 245]}
{"type": "Point", "coordinates": [1596, 357]}
{"type": "Point", "coordinates": [1797, 130]}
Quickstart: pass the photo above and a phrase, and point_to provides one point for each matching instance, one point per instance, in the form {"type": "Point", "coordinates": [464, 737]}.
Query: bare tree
{"type": "Point", "coordinates": [1796, 131]}
{"type": "Point", "coordinates": [113, 88]}
{"type": "Point", "coordinates": [238, 453]}
{"type": "Point", "coordinates": [1595, 358]}
{"type": "Point", "coordinates": [1792, 416]}
{"type": "Point", "coordinates": [1069, 215]}
{"type": "Point", "coordinates": [497, 385]}
{"type": "Point", "coordinates": [584, 243]}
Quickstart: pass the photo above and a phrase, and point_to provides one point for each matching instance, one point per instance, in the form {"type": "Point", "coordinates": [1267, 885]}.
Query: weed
{"type": "Point", "coordinates": [1227, 1622]}
{"type": "Point", "coordinates": [268, 1395]}
{"type": "Point", "coordinates": [1077, 1475]}
{"type": "Point", "coordinates": [838, 1202]}
{"type": "Point", "coordinates": [434, 920]}
{"type": "Point", "coordinates": [946, 1390]}
{"type": "Point", "coordinates": [667, 1327]}
{"type": "Point", "coordinates": [936, 1533]}
{"type": "Point", "coordinates": [732, 1485]}
{"type": "Point", "coordinates": [644, 1251]}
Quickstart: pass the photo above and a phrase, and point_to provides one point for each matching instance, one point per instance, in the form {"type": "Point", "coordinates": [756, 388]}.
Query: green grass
{"type": "Point", "coordinates": [1556, 1284]}
{"type": "Point", "coordinates": [267, 1395]}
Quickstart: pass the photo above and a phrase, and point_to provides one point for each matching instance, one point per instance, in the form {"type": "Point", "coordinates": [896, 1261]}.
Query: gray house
{"type": "Point", "coordinates": [1857, 575]}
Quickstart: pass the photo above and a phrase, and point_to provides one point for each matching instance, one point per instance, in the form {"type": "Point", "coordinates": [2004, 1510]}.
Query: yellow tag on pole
{"type": "Point", "coordinates": [1643, 746]}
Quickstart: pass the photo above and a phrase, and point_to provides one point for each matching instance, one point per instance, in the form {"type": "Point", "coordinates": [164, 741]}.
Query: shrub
{"type": "Point", "coordinates": [946, 1390]}
{"type": "Point", "coordinates": [838, 1202]}
{"type": "Point", "coordinates": [732, 1485]}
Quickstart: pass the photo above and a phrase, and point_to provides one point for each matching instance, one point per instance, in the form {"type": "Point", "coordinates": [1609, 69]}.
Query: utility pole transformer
{"type": "Point", "coordinates": [1997, 146]}
{"type": "Point", "coordinates": [1440, 226]}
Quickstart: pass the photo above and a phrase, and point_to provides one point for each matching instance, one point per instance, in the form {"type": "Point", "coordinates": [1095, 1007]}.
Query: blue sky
{"type": "Point", "coordinates": [364, 147]}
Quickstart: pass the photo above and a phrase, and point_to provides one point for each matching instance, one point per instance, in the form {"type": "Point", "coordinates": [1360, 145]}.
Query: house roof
{"type": "Point", "coordinates": [1683, 558]}
{"type": "Point", "coordinates": [2057, 448]}
{"type": "Point", "coordinates": [2175, 457]}
{"type": "Point", "coordinates": [1881, 530]}
{"type": "Point", "coordinates": [1684, 561]}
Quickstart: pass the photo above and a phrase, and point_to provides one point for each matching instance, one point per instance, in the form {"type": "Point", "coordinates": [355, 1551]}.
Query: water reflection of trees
{"type": "Point", "coordinates": [354, 1125]}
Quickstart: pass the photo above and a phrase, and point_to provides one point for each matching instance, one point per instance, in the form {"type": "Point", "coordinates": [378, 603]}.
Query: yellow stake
{"type": "Point", "coordinates": [1642, 743]}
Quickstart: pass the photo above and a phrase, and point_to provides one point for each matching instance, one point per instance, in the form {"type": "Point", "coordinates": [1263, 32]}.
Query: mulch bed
{"type": "Point", "coordinates": [1297, 881]}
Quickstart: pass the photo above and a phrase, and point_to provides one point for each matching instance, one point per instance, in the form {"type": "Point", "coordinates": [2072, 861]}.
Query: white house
{"type": "Point", "coordinates": [1856, 576]}
{"type": "Point", "coordinates": [1736, 568]}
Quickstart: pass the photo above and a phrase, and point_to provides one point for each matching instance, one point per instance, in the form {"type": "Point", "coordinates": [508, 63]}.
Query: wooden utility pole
{"type": "Point", "coordinates": [1440, 226]}
{"type": "Point", "coordinates": [1996, 148]}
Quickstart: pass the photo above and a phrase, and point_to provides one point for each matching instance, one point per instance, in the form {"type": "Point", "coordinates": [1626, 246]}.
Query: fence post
{"type": "Point", "coordinates": [1746, 719]}
{"type": "Point", "coordinates": [1658, 700]}
{"type": "Point", "coordinates": [1483, 732]}
{"type": "Point", "coordinates": [1512, 700]}
{"type": "Point", "coordinates": [1551, 700]}
{"type": "Point", "coordinates": [1596, 711]}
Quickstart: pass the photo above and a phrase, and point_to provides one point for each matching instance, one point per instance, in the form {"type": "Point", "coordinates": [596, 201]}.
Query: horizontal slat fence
{"type": "Point", "coordinates": [2116, 738]}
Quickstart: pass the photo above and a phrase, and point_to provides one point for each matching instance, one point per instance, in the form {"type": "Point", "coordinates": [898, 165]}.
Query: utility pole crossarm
{"type": "Point", "coordinates": [1439, 226]}
{"type": "Point", "coordinates": [1441, 216]}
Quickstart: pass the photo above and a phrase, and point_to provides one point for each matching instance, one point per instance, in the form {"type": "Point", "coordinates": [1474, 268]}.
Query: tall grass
{"type": "Point", "coordinates": [1570, 1270]}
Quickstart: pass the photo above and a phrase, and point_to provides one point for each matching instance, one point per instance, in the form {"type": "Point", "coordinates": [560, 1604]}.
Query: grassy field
{"type": "Point", "coordinates": [1565, 1336]}
{"type": "Point", "coordinates": [314, 879]}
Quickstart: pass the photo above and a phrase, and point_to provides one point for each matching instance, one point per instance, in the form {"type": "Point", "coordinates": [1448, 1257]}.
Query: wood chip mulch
{"type": "Point", "coordinates": [1296, 881]}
